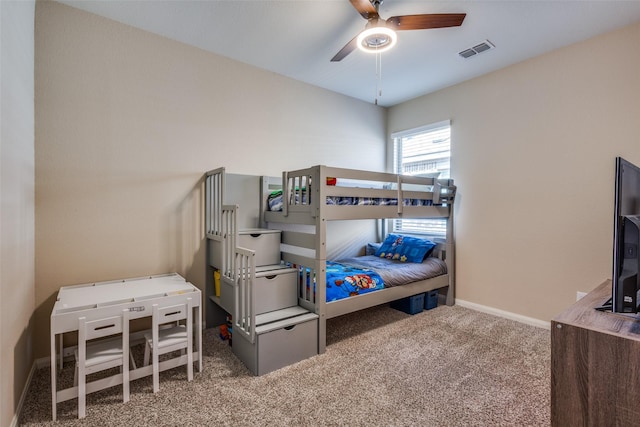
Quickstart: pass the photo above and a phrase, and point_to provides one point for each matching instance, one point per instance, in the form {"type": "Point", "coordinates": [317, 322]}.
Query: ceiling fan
{"type": "Point", "coordinates": [379, 34]}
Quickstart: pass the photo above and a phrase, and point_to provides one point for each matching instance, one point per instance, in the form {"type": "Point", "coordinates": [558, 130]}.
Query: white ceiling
{"type": "Point", "coordinates": [297, 38]}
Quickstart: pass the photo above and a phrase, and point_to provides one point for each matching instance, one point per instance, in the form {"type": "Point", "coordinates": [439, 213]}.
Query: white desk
{"type": "Point", "coordinates": [104, 299]}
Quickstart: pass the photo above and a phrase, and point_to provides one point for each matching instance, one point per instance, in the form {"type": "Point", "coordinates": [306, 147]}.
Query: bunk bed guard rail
{"type": "Point", "coordinates": [221, 220]}
{"type": "Point", "coordinates": [303, 190]}
{"type": "Point", "coordinates": [214, 185]}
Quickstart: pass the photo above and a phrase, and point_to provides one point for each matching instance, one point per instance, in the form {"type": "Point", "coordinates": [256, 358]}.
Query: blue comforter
{"type": "Point", "coordinates": [344, 281]}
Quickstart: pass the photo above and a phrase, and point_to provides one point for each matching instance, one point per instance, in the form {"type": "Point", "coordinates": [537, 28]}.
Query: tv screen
{"type": "Point", "coordinates": [625, 284]}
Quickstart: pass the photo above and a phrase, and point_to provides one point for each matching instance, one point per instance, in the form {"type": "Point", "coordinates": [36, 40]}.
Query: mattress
{"type": "Point", "coordinates": [396, 273]}
{"type": "Point", "coordinates": [360, 275]}
{"type": "Point", "coordinates": [275, 203]}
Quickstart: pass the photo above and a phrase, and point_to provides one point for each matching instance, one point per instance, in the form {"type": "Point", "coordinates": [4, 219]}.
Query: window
{"type": "Point", "coordinates": [424, 151]}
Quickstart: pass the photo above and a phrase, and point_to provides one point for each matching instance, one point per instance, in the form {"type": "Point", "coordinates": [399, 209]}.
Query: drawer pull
{"type": "Point", "coordinates": [255, 235]}
{"type": "Point", "coordinates": [273, 276]}
{"type": "Point", "coordinates": [288, 328]}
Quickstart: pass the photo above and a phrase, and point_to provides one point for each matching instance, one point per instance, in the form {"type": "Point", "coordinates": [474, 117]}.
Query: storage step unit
{"type": "Point", "coordinates": [283, 337]}
{"type": "Point", "coordinates": [251, 286]}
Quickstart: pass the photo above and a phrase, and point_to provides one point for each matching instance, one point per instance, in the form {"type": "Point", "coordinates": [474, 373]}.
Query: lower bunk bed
{"type": "Point", "coordinates": [357, 276]}
{"type": "Point", "coordinates": [358, 283]}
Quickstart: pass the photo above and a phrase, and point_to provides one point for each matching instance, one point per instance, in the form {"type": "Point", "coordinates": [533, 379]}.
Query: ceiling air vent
{"type": "Point", "coordinates": [479, 48]}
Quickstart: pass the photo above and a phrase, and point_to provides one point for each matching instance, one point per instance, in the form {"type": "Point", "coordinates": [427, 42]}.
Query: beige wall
{"type": "Point", "coordinates": [533, 148]}
{"type": "Point", "coordinates": [17, 282]}
{"type": "Point", "coordinates": [127, 123]}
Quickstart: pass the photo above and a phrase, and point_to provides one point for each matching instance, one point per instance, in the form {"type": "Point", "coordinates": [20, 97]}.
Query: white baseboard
{"type": "Point", "coordinates": [45, 362]}
{"type": "Point", "coordinates": [506, 314]}
{"type": "Point", "coordinates": [23, 396]}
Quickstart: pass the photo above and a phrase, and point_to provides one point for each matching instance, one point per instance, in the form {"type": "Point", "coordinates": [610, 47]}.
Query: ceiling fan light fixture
{"type": "Point", "coordinates": [377, 39]}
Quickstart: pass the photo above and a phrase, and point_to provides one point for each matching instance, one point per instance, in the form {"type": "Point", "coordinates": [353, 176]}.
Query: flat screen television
{"type": "Point", "coordinates": [626, 233]}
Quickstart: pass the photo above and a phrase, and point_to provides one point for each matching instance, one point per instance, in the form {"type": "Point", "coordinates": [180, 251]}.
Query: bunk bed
{"type": "Point", "coordinates": [301, 203]}
{"type": "Point", "coordinates": [320, 194]}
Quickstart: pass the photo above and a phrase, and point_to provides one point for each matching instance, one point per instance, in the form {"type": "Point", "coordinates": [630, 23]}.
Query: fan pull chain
{"type": "Point", "coordinates": [378, 77]}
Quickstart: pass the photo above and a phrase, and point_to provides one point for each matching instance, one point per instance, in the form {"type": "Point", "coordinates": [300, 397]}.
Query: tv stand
{"type": "Point", "coordinates": [595, 364]}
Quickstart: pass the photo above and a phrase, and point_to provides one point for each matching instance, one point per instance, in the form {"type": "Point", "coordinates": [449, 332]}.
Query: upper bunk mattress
{"type": "Point", "coordinates": [275, 203]}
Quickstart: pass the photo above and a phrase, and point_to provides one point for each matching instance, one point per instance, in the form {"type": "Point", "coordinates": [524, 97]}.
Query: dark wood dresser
{"type": "Point", "coordinates": [595, 365]}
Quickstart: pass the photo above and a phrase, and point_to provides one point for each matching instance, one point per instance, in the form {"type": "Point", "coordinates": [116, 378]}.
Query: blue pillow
{"type": "Point", "coordinates": [371, 248]}
{"type": "Point", "coordinates": [404, 248]}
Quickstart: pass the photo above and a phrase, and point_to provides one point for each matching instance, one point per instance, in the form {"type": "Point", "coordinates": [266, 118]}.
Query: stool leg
{"type": "Point", "coordinates": [82, 387]}
{"type": "Point", "coordinates": [155, 357]}
{"type": "Point", "coordinates": [147, 354]}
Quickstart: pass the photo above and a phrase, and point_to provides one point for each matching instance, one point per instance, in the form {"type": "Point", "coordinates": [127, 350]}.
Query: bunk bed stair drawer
{"type": "Point", "coordinates": [275, 289]}
{"type": "Point", "coordinates": [279, 344]}
{"type": "Point", "coordinates": [410, 305]}
{"type": "Point", "coordinates": [266, 244]}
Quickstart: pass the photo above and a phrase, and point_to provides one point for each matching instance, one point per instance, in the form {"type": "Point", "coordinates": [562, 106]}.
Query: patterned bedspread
{"type": "Point", "coordinates": [360, 275]}
{"type": "Point", "coordinates": [345, 281]}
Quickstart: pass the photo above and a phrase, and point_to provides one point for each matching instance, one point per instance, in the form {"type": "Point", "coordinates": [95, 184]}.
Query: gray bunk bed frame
{"type": "Point", "coordinates": [314, 210]}
{"type": "Point", "coordinates": [305, 193]}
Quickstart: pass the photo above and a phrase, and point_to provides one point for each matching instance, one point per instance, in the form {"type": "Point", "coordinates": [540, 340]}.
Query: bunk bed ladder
{"type": "Point", "coordinates": [265, 339]}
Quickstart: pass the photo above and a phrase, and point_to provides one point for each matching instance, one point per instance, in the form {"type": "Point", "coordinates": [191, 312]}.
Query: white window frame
{"type": "Point", "coordinates": [427, 227]}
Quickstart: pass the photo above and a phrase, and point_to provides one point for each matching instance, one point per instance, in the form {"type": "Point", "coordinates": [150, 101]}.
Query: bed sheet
{"type": "Point", "coordinates": [374, 201]}
{"type": "Point", "coordinates": [274, 201]}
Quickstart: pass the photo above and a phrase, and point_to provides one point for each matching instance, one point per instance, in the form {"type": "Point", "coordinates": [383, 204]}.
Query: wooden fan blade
{"type": "Point", "coordinates": [423, 22]}
{"type": "Point", "coordinates": [346, 50]}
{"type": "Point", "coordinates": [365, 8]}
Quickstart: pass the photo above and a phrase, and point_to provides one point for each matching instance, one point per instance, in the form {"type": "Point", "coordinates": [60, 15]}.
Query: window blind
{"type": "Point", "coordinates": [424, 151]}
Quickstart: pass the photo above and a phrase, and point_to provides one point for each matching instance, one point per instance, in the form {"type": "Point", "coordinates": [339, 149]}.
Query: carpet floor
{"type": "Point", "coordinates": [449, 366]}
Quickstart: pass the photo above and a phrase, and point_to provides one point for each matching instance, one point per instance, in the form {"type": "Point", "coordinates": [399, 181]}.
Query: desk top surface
{"type": "Point", "coordinates": [583, 314]}
{"type": "Point", "coordinates": [95, 295]}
